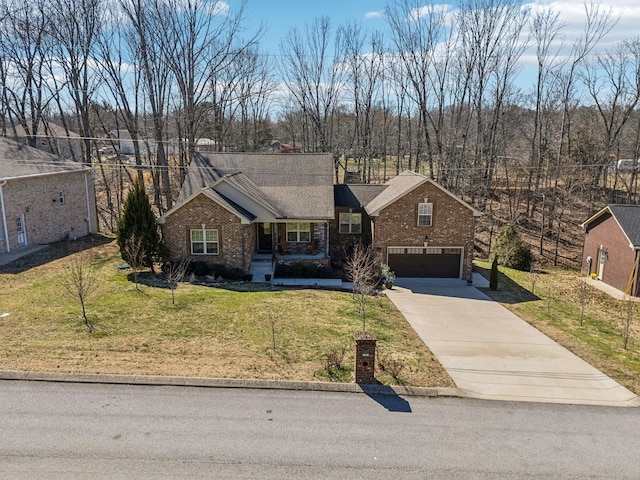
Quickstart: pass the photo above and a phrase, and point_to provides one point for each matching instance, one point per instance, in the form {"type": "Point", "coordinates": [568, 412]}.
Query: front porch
{"type": "Point", "coordinates": [263, 264]}
{"type": "Point", "coordinates": [288, 242]}
{"type": "Point", "coordinates": [292, 239]}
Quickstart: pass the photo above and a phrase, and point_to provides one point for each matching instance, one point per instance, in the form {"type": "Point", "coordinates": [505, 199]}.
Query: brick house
{"type": "Point", "coordinates": [43, 198]}
{"type": "Point", "coordinates": [612, 247]}
{"type": "Point", "coordinates": [236, 209]}
{"type": "Point", "coordinates": [419, 228]}
{"type": "Point", "coordinates": [239, 209]}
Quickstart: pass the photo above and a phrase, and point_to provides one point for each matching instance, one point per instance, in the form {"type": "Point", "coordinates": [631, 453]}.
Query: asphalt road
{"type": "Point", "coordinates": [60, 431]}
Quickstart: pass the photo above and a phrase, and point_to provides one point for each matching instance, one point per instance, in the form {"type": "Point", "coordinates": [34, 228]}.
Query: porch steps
{"type": "Point", "coordinates": [260, 268]}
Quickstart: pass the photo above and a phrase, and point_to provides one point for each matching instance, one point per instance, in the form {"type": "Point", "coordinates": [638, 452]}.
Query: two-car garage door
{"type": "Point", "coordinates": [426, 262]}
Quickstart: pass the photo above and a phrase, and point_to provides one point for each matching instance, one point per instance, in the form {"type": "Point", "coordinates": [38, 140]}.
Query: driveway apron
{"type": "Point", "coordinates": [492, 354]}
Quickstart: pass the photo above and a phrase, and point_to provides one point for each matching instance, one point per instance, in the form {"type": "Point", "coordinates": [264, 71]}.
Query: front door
{"type": "Point", "coordinates": [22, 231]}
{"type": "Point", "coordinates": [265, 237]}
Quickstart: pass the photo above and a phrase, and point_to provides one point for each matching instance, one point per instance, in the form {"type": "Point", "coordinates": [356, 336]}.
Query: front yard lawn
{"type": "Point", "coordinates": [223, 331]}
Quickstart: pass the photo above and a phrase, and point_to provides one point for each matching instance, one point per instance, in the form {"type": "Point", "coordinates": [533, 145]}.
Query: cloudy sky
{"type": "Point", "coordinates": [281, 15]}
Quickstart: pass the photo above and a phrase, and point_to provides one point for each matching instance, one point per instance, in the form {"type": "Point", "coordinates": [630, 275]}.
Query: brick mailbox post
{"type": "Point", "coordinates": [365, 357]}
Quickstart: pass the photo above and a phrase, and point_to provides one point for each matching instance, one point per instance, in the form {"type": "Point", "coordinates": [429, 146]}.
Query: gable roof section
{"type": "Point", "coordinates": [229, 205]}
{"type": "Point", "coordinates": [296, 186]}
{"type": "Point", "coordinates": [356, 196]}
{"type": "Point", "coordinates": [627, 217]}
{"type": "Point", "coordinates": [402, 184]}
{"type": "Point", "coordinates": [244, 184]}
{"type": "Point", "coordinates": [20, 161]}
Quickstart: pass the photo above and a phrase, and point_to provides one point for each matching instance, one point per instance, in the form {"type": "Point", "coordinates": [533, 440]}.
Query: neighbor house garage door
{"type": "Point", "coordinates": [425, 262]}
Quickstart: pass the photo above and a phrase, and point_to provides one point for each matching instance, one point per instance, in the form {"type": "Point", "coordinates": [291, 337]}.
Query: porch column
{"type": "Point", "coordinates": [326, 239]}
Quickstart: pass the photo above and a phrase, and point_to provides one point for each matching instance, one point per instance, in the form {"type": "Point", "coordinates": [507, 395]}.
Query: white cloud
{"type": "Point", "coordinates": [377, 14]}
{"type": "Point", "coordinates": [572, 14]}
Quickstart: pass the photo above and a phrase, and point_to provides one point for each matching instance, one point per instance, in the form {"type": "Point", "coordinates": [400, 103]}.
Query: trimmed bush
{"type": "Point", "coordinates": [199, 268]}
{"type": "Point", "coordinates": [302, 270]}
{"type": "Point", "coordinates": [511, 251]}
{"type": "Point", "coordinates": [234, 274]}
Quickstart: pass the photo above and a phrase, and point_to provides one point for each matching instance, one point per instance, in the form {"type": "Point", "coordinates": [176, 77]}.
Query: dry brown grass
{"type": "Point", "coordinates": [222, 331]}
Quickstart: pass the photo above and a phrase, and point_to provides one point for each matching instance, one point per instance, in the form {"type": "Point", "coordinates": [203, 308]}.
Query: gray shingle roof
{"type": "Point", "coordinates": [228, 204]}
{"type": "Point", "coordinates": [244, 183]}
{"type": "Point", "coordinates": [18, 160]}
{"type": "Point", "coordinates": [396, 187]}
{"type": "Point", "coordinates": [628, 217]}
{"type": "Point", "coordinates": [402, 184]}
{"type": "Point", "coordinates": [297, 186]}
{"type": "Point", "coordinates": [356, 196]}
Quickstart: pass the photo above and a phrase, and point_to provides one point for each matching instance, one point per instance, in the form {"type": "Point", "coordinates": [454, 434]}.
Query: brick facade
{"type": "Point", "coordinates": [46, 218]}
{"type": "Point", "coordinates": [317, 234]}
{"type": "Point", "coordinates": [605, 234]}
{"type": "Point", "coordinates": [236, 241]}
{"type": "Point", "coordinates": [395, 225]}
{"type": "Point", "coordinates": [365, 368]}
{"type": "Point", "coordinates": [453, 224]}
{"type": "Point", "coordinates": [341, 244]}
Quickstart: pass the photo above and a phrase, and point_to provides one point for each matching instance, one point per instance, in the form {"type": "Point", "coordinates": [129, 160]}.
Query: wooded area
{"type": "Point", "coordinates": [439, 94]}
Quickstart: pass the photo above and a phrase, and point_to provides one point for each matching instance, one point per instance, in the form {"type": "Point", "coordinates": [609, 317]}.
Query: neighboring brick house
{"type": "Point", "coordinates": [612, 247]}
{"type": "Point", "coordinates": [43, 198]}
{"type": "Point", "coordinates": [419, 228]}
{"type": "Point", "coordinates": [235, 208]}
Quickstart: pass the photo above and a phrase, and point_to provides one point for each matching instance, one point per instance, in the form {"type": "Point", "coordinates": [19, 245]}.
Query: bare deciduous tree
{"type": "Point", "coordinates": [136, 256]}
{"type": "Point", "coordinates": [76, 25]}
{"type": "Point", "coordinates": [80, 280]}
{"type": "Point", "coordinates": [174, 273]}
{"type": "Point", "coordinates": [312, 76]}
{"type": "Point", "coordinates": [629, 311]}
{"type": "Point", "coordinates": [363, 270]}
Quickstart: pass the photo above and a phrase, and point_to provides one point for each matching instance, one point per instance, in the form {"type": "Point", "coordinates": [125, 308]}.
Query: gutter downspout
{"type": "Point", "coordinates": [4, 218]}
{"type": "Point", "coordinates": [86, 190]}
{"type": "Point", "coordinates": [635, 282]}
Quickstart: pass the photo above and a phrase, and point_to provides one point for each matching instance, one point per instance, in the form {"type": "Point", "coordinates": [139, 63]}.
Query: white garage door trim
{"type": "Point", "coordinates": [413, 250]}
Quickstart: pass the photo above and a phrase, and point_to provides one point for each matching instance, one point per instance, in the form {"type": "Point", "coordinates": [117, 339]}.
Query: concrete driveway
{"type": "Point", "coordinates": [492, 354]}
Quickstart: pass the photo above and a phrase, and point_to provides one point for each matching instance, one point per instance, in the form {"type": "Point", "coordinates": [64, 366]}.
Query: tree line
{"type": "Point", "coordinates": [438, 92]}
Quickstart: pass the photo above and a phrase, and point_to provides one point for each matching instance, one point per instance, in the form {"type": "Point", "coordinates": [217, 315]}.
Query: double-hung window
{"type": "Point", "coordinates": [425, 214]}
{"type": "Point", "coordinates": [350, 223]}
{"type": "Point", "coordinates": [298, 232]}
{"type": "Point", "coordinates": [204, 241]}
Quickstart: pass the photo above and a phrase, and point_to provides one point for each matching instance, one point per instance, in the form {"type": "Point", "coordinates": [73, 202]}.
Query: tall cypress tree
{"type": "Point", "coordinates": [138, 223]}
{"type": "Point", "coordinates": [494, 274]}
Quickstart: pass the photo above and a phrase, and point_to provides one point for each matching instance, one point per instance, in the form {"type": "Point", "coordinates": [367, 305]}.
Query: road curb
{"type": "Point", "coordinates": [157, 380]}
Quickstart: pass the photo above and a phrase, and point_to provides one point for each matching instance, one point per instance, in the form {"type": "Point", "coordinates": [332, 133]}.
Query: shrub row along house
{"type": "Point", "coordinates": [43, 197]}
{"type": "Point", "coordinates": [241, 209]}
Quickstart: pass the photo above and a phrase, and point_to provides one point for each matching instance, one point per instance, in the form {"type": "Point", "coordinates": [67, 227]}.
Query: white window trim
{"type": "Point", "coordinates": [205, 240]}
{"type": "Point", "coordinates": [298, 231]}
{"type": "Point", "coordinates": [425, 210]}
{"type": "Point", "coordinates": [349, 224]}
